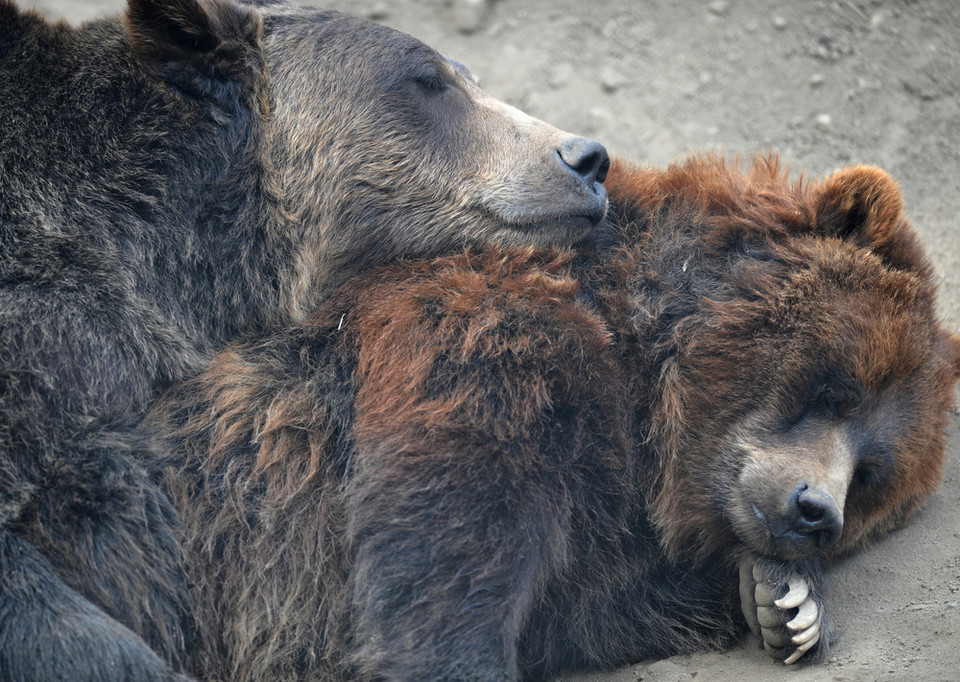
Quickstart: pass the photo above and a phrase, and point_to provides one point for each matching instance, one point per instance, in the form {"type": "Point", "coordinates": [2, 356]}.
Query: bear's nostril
{"type": "Point", "coordinates": [811, 512]}
{"type": "Point", "coordinates": [586, 158]}
{"type": "Point", "coordinates": [817, 514]}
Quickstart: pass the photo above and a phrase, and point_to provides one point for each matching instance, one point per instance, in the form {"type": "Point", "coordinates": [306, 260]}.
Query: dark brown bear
{"type": "Point", "coordinates": [511, 464]}
{"type": "Point", "coordinates": [171, 179]}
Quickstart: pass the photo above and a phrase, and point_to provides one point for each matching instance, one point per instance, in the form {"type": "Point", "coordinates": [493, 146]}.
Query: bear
{"type": "Point", "coordinates": [514, 462]}
{"type": "Point", "coordinates": [175, 177]}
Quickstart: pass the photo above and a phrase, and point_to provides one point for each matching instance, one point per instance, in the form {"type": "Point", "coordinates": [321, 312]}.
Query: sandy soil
{"type": "Point", "coordinates": [825, 83]}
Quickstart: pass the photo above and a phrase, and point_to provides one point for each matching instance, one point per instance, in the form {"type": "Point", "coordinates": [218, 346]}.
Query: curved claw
{"type": "Point", "coordinates": [801, 650]}
{"type": "Point", "coordinates": [795, 596]}
{"type": "Point", "coordinates": [806, 616]}
{"type": "Point", "coordinates": [812, 632]}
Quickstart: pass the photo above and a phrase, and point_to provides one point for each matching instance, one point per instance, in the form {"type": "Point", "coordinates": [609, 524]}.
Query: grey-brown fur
{"type": "Point", "coordinates": [169, 180]}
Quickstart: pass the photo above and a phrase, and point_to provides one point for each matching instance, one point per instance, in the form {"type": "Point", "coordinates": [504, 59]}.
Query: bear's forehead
{"type": "Point", "coordinates": [340, 32]}
{"type": "Point", "coordinates": [318, 44]}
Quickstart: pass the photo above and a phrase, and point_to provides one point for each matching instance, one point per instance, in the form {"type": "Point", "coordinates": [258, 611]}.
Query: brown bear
{"type": "Point", "coordinates": [512, 463]}
{"type": "Point", "coordinates": [172, 178]}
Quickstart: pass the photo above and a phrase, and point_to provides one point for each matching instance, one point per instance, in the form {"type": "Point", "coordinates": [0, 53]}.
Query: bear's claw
{"type": "Point", "coordinates": [797, 594]}
{"type": "Point", "coordinates": [788, 626]}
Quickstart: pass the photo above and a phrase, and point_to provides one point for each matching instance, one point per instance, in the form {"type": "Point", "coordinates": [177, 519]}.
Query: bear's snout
{"type": "Point", "coordinates": [814, 516]}
{"type": "Point", "coordinates": [809, 519]}
{"type": "Point", "coordinates": [790, 494]}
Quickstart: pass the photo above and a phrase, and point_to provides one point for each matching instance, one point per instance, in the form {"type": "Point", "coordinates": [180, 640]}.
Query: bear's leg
{"type": "Point", "coordinates": [49, 632]}
{"type": "Point", "coordinates": [90, 536]}
{"type": "Point", "coordinates": [447, 560]}
{"type": "Point", "coordinates": [92, 561]}
{"type": "Point", "coordinates": [109, 532]}
{"type": "Point", "coordinates": [784, 607]}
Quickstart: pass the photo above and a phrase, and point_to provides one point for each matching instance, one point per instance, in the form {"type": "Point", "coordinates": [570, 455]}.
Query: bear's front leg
{"type": "Point", "coordinates": [784, 607]}
{"type": "Point", "coordinates": [446, 561]}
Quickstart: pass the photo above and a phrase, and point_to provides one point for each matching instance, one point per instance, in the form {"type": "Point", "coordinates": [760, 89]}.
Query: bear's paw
{"type": "Point", "coordinates": [783, 608]}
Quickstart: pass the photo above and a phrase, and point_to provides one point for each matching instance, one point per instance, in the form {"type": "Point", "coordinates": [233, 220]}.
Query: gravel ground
{"type": "Point", "coordinates": [826, 84]}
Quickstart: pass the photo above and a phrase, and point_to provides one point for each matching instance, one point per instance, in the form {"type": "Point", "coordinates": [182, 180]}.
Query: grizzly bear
{"type": "Point", "coordinates": [168, 180]}
{"type": "Point", "coordinates": [512, 463]}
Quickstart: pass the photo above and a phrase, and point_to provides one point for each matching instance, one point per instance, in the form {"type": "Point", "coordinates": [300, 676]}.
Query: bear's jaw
{"type": "Point", "coordinates": [549, 233]}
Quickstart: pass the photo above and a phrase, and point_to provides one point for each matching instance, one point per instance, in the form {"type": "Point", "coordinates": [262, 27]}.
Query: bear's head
{"type": "Point", "coordinates": [803, 392]}
{"type": "Point", "coordinates": [374, 146]}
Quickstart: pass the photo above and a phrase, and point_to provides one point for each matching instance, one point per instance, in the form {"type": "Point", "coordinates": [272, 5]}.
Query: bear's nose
{"type": "Point", "coordinates": [815, 513]}
{"type": "Point", "coordinates": [586, 158]}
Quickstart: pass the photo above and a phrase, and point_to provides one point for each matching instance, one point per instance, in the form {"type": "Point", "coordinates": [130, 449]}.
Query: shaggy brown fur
{"type": "Point", "coordinates": [510, 463]}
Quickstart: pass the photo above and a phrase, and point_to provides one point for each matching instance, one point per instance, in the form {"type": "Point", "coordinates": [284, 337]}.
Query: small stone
{"type": "Point", "coordinates": [877, 18]}
{"type": "Point", "coordinates": [379, 12]}
{"type": "Point", "coordinates": [560, 75]}
{"type": "Point", "coordinates": [469, 16]}
{"type": "Point", "coordinates": [611, 80]}
{"type": "Point", "coordinates": [600, 120]}
{"type": "Point", "coordinates": [822, 122]}
{"type": "Point", "coordinates": [719, 7]}
{"type": "Point", "coordinates": [816, 80]}
{"type": "Point", "coordinates": [779, 23]}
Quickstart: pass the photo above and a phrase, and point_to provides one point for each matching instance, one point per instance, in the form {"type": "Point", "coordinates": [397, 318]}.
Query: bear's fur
{"type": "Point", "coordinates": [169, 180]}
{"type": "Point", "coordinates": [509, 464]}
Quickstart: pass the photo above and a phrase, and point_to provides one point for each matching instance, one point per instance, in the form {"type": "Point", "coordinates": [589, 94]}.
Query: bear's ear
{"type": "Point", "coordinates": [201, 46]}
{"type": "Point", "coordinates": [863, 204]}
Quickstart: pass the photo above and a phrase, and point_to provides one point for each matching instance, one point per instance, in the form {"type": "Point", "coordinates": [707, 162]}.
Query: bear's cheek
{"type": "Point", "coordinates": [788, 498]}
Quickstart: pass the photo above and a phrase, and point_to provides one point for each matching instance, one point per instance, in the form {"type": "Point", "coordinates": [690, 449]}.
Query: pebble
{"type": "Point", "coordinates": [560, 75]}
{"type": "Point", "coordinates": [469, 16]}
{"type": "Point", "coordinates": [779, 23]}
{"type": "Point", "coordinates": [600, 119]}
{"type": "Point", "coordinates": [816, 80]}
{"type": "Point", "coordinates": [719, 7]}
{"type": "Point", "coordinates": [379, 12]}
{"type": "Point", "coordinates": [822, 122]}
{"type": "Point", "coordinates": [610, 79]}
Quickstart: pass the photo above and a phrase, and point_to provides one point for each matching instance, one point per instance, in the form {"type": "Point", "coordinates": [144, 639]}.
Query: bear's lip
{"type": "Point", "coordinates": [564, 221]}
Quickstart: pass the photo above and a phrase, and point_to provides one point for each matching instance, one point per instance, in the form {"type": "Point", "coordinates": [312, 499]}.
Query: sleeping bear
{"type": "Point", "coordinates": [510, 463]}
{"type": "Point", "coordinates": [196, 170]}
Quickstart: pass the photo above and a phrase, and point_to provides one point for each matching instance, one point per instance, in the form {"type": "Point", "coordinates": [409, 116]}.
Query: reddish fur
{"type": "Point", "coordinates": [512, 460]}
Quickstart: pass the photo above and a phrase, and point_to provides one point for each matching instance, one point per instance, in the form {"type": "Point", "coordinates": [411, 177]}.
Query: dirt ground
{"type": "Point", "coordinates": [825, 83]}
